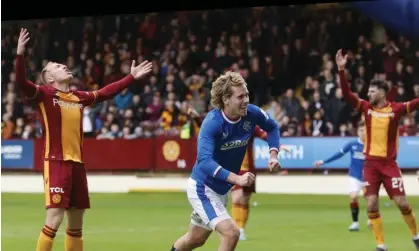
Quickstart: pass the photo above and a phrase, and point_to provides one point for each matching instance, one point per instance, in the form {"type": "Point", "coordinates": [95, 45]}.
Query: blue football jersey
{"type": "Point", "coordinates": [355, 147]}
{"type": "Point", "coordinates": [222, 145]}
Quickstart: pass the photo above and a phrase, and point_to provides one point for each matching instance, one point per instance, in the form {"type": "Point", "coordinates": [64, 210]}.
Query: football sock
{"type": "Point", "coordinates": [377, 227]}
{"type": "Point", "coordinates": [245, 214]}
{"type": "Point", "coordinates": [410, 219]}
{"type": "Point", "coordinates": [73, 240]}
{"type": "Point", "coordinates": [237, 215]}
{"type": "Point", "coordinates": [354, 211]}
{"type": "Point", "coordinates": [46, 239]}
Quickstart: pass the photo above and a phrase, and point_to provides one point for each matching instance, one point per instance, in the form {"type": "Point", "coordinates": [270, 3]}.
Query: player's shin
{"type": "Point", "coordinates": [195, 238]}
{"type": "Point", "coordinates": [46, 239]}
{"type": "Point", "coordinates": [245, 214]}
{"type": "Point", "coordinates": [182, 244]}
{"type": "Point", "coordinates": [410, 219]}
{"type": "Point", "coordinates": [236, 213]}
{"type": "Point", "coordinates": [74, 235]}
{"type": "Point", "coordinates": [377, 227]}
{"type": "Point", "coordinates": [73, 240]}
{"type": "Point", "coordinates": [354, 206]}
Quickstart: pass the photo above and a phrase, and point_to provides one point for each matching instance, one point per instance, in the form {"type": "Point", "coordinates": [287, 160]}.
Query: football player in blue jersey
{"type": "Point", "coordinates": [355, 147]}
{"type": "Point", "coordinates": [222, 144]}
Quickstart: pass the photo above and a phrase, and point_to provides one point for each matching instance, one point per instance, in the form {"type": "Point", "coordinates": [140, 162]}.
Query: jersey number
{"type": "Point", "coordinates": [397, 183]}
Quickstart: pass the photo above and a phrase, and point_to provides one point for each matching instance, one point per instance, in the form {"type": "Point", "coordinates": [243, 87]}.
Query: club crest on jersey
{"type": "Point", "coordinates": [225, 135]}
{"type": "Point", "coordinates": [247, 126]}
{"type": "Point", "coordinates": [234, 144]}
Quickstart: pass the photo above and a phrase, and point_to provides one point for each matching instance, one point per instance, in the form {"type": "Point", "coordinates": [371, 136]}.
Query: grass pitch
{"type": "Point", "coordinates": [153, 221]}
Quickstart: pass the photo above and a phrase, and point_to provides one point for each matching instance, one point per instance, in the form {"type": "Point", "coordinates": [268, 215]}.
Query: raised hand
{"type": "Point", "coordinates": [141, 70]}
{"type": "Point", "coordinates": [341, 60]}
{"type": "Point", "coordinates": [23, 40]}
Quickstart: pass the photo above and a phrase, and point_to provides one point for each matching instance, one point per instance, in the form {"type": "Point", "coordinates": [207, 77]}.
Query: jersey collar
{"type": "Point", "coordinates": [229, 120]}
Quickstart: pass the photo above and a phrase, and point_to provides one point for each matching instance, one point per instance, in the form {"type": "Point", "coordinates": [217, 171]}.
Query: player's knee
{"type": "Point", "coordinates": [236, 200]}
{"type": "Point", "coordinates": [236, 196]}
{"type": "Point", "coordinates": [372, 203]}
{"type": "Point", "coordinates": [353, 198]}
{"type": "Point", "coordinates": [246, 198]}
{"type": "Point", "coordinates": [75, 218]}
{"type": "Point", "coordinates": [402, 203]}
{"type": "Point", "coordinates": [231, 233]}
{"type": "Point", "coordinates": [54, 217]}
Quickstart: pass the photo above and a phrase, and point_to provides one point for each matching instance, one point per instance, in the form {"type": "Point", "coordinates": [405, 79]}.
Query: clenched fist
{"type": "Point", "coordinates": [274, 165]}
{"type": "Point", "coordinates": [246, 179]}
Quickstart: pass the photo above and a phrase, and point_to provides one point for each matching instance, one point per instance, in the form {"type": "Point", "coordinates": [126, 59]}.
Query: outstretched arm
{"type": "Point", "coordinates": [335, 156]}
{"type": "Point", "coordinates": [349, 96]}
{"type": "Point", "coordinates": [110, 91]}
{"type": "Point", "coordinates": [339, 154]}
{"type": "Point", "coordinates": [412, 105]}
{"type": "Point", "coordinates": [29, 89]}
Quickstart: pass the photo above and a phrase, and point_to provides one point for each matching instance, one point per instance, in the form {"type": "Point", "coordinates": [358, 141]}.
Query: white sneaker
{"type": "Point", "coordinates": [381, 247]}
{"type": "Point", "coordinates": [354, 226]}
{"type": "Point", "coordinates": [242, 235]}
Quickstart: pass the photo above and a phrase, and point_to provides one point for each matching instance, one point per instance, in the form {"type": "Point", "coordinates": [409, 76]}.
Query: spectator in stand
{"type": "Point", "coordinates": [287, 65]}
{"type": "Point", "coordinates": [291, 104]}
{"type": "Point", "coordinates": [169, 119]}
{"type": "Point", "coordinates": [407, 128]}
{"type": "Point", "coordinates": [337, 111]}
{"type": "Point", "coordinates": [123, 100]}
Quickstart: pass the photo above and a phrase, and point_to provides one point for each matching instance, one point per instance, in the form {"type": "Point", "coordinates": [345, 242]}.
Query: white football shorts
{"type": "Point", "coordinates": [209, 207]}
{"type": "Point", "coordinates": [355, 185]}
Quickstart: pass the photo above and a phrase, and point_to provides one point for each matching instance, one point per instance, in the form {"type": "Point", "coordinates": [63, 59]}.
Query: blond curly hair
{"type": "Point", "coordinates": [221, 88]}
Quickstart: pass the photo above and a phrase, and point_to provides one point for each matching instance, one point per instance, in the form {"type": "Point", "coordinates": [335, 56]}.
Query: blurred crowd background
{"type": "Point", "coordinates": [286, 55]}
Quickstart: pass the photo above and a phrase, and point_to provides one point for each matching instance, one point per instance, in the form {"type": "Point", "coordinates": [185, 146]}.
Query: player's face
{"type": "Point", "coordinates": [60, 73]}
{"type": "Point", "coordinates": [361, 132]}
{"type": "Point", "coordinates": [375, 95]}
{"type": "Point", "coordinates": [239, 100]}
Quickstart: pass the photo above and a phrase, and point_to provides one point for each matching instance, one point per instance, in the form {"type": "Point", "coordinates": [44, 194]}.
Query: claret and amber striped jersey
{"type": "Point", "coordinates": [61, 115]}
{"type": "Point", "coordinates": [381, 124]}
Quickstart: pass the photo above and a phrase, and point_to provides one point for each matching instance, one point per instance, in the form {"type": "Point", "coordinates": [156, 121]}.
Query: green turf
{"type": "Point", "coordinates": [153, 221]}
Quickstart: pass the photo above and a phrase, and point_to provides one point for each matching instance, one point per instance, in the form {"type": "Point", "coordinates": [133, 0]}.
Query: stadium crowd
{"type": "Point", "coordinates": [285, 55]}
